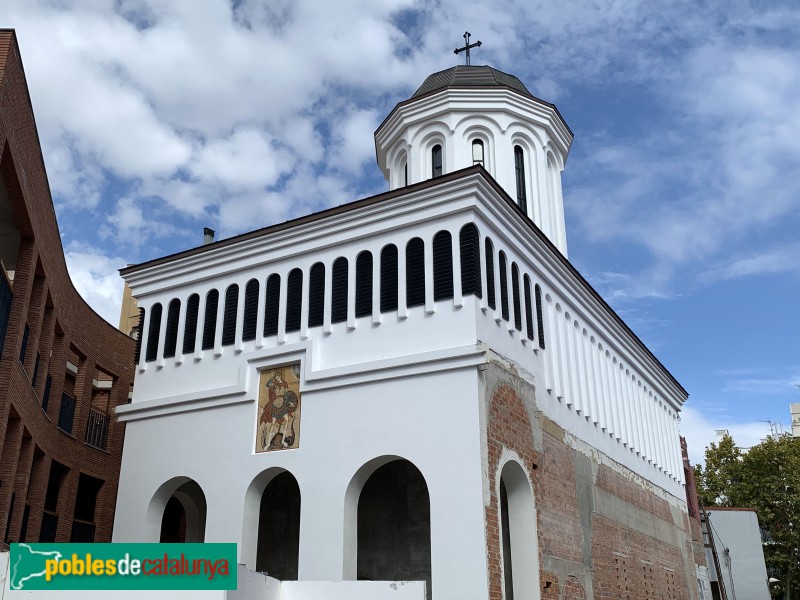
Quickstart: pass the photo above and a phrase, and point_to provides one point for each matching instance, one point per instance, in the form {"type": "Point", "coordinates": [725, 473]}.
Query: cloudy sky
{"type": "Point", "coordinates": [682, 189]}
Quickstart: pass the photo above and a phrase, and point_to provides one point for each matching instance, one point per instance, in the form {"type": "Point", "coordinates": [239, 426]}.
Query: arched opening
{"type": "Point", "coordinates": [177, 512]}
{"type": "Point", "coordinates": [516, 297]}
{"type": "Point", "coordinates": [364, 284]}
{"type": "Point", "coordinates": [442, 266]}
{"type": "Point", "coordinates": [503, 285]}
{"type": "Point", "coordinates": [153, 331]}
{"type": "Point", "coordinates": [415, 273]}
{"type": "Point", "coordinates": [392, 523]}
{"type": "Point", "coordinates": [470, 255]}
{"type": "Point", "coordinates": [229, 315]}
{"type": "Point", "coordinates": [477, 153]}
{"type": "Point", "coordinates": [389, 278]}
{"type": "Point", "coordinates": [490, 292]}
{"type": "Point", "coordinates": [272, 304]}
{"type": "Point", "coordinates": [250, 317]}
{"type": "Point", "coordinates": [294, 300]}
{"type": "Point", "coordinates": [520, 555]}
{"type": "Point", "coordinates": [210, 320]}
{"type": "Point", "coordinates": [171, 333]}
{"type": "Point", "coordinates": [519, 174]}
{"type": "Point", "coordinates": [278, 546]}
{"type": "Point", "coordinates": [190, 323]}
{"type": "Point", "coordinates": [339, 292]}
{"type": "Point", "coordinates": [436, 160]}
{"type": "Point", "coordinates": [316, 295]}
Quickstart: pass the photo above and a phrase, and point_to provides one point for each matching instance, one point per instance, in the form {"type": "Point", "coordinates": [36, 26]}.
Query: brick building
{"type": "Point", "coordinates": [63, 369]}
{"type": "Point", "coordinates": [425, 371]}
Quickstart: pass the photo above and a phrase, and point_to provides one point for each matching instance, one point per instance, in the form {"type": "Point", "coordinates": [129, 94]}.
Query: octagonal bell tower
{"type": "Point", "coordinates": [469, 115]}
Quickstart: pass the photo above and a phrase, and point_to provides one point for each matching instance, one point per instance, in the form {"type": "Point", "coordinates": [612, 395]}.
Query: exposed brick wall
{"type": "Point", "coordinates": [58, 318]}
{"type": "Point", "coordinates": [585, 550]}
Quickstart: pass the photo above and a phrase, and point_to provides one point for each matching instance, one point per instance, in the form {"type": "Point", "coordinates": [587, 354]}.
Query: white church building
{"type": "Point", "coordinates": [415, 386]}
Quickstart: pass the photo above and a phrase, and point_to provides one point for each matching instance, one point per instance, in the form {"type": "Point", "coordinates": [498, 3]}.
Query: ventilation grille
{"type": "Point", "coordinates": [250, 317]}
{"type": "Point", "coordinates": [171, 333]}
{"type": "Point", "coordinates": [294, 299]}
{"type": "Point", "coordinates": [415, 273]}
{"type": "Point", "coordinates": [272, 304]}
{"type": "Point", "coordinates": [389, 278]}
{"type": "Point", "coordinates": [515, 291]}
{"type": "Point", "coordinates": [490, 291]}
{"type": "Point", "coordinates": [339, 290]}
{"type": "Point", "coordinates": [229, 316]}
{"type": "Point", "coordinates": [190, 328]}
{"type": "Point", "coordinates": [152, 332]}
{"type": "Point", "coordinates": [442, 266]}
{"type": "Point", "coordinates": [316, 295]}
{"type": "Point", "coordinates": [470, 244]}
{"type": "Point", "coordinates": [528, 310]}
{"type": "Point", "coordinates": [539, 316]}
{"type": "Point", "coordinates": [210, 321]}
{"type": "Point", "coordinates": [364, 284]}
{"type": "Point", "coordinates": [503, 286]}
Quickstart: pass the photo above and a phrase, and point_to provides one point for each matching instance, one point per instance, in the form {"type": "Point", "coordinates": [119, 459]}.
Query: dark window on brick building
{"type": "Point", "coordinates": [415, 273]}
{"type": "Point", "coordinates": [442, 266]}
{"type": "Point", "coordinates": [229, 315]}
{"type": "Point", "coordinates": [46, 395]}
{"type": "Point", "coordinates": [24, 348]}
{"type": "Point", "coordinates": [190, 324]}
{"type": "Point", "coordinates": [389, 278]}
{"type": "Point", "coordinates": [210, 320]}
{"type": "Point", "coordinates": [83, 524]}
{"type": "Point", "coordinates": [250, 317]}
{"type": "Point", "coordinates": [316, 295]}
{"type": "Point", "coordinates": [339, 274]}
{"type": "Point", "coordinates": [294, 299]}
{"type": "Point", "coordinates": [35, 371]}
{"type": "Point", "coordinates": [153, 331]}
{"type": "Point", "coordinates": [364, 284]}
{"type": "Point", "coordinates": [66, 413]}
{"type": "Point", "coordinates": [272, 304]}
{"type": "Point", "coordinates": [171, 333]}
{"type": "Point", "coordinates": [470, 256]}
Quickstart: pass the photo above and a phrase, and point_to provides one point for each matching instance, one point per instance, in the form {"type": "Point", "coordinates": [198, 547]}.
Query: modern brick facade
{"type": "Point", "coordinates": [63, 369]}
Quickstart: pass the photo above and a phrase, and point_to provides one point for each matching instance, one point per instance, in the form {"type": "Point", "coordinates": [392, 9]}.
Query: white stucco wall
{"type": "Point", "coordinates": [743, 570]}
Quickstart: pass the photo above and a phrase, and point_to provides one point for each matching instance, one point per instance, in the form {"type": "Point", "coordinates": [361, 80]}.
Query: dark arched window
{"type": "Point", "coordinates": [528, 307]}
{"type": "Point", "coordinates": [539, 316]}
{"type": "Point", "coordinates": [477, 153]}
{"type": "Point", "coordinates": [171, 333]}
{"type": "Point", "coordinates": [490, 291]}
{"type": "Point", "coordinates": [503, 285]}
{"type": "Point", "coordinates": [339, 290]}
{"type": "Point", "coordinates": [272, 304]}
{"type": "Point", "coordinates": [138, 354]}
{"type": "Point", "coordinates": [316, 295]}
{"type": "Point", "coordinates": [190, 324]}
{"type": "Point", "coordinates": [210, 321]}
{"type": "Point", "coordinates": [515, 292]}
{"type": "Point", "coordinates": [442, 266]}
{"type": "Point", "coordinates": [415, 273]}
{"type": "Point", "coordinates": [470, 251]}
{"type": "Point", "coordinates": [294, 299]}
{"type": "Point", "coordinates": [519, 170]}
{"type": "Point", "coordinates": [364, 284]}
{"type": "Point", "coordinates": [250, 317]}
{"type": "Point", "coordinates": [389, 278]}
{"type": "Point", "coordinates": [153, 331]}
{"type": "Point", "coordinates": [436, 160]}
{"type": "Point", "coordinates": [229, 315]}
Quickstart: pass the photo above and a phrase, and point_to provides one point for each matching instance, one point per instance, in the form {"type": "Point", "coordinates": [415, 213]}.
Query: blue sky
{"type": "Point", "coordinates": [681, 190]}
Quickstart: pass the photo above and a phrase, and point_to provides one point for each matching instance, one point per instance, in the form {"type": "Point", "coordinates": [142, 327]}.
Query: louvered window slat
{"type": "Point", "coordinates": [470, 251]}
{"type": "Point", "coordinates": [364, 284]}
{"type": "Point", "coordinates": [515, 292]}
{"type": "Point", "coordinates": [138, 353]}
{"type": "Point", "coordinates": [272, 304]}
{"type": "Point", "coordinates": [528, 309]}
{"type": "Point", "coordinates": [415, 273]}
{"type": "Point", "coordinates": [442, 266]}
{"type": "Point", "coordinates": [294, 299]}
{"type": "Point", "coordinates": [539, 316]}
{"type": "Point", "coordinates": [316, 295]}
{"type": "Point", "coordinates": [503, 285]}
{"type": "Point", "coordinates": [339, 290]}
{"type": "Point", "coordinates": [250, 317]}
{"type": "Point", "coordinates": [153, 330]}
{"type": "Point", "coordinates": [171, 333]}
{"type": "Point", "coordinates": [389, 278]}
{"type": "Point", "coordinates": [190, 326]}
{"type": "Point", "coordinates": [229, 315]}
{"type": "Point", "coordinates": [490, 291]}
{"type": "Point", "coordinates": [210, 320]}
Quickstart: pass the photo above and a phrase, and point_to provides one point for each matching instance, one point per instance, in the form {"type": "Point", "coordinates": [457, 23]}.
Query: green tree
{"type": "Point", "coordinates": [718, 483]}
{"type": "Point", "coordinates": [766, 478]}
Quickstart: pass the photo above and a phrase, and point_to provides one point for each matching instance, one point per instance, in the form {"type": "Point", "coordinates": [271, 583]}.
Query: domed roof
{"type": "Point", "coordinates": [469, 76]}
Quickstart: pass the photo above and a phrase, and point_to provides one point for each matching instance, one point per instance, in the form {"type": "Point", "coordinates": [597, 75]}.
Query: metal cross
{"type": "Point", "coordinates": [467, 46]}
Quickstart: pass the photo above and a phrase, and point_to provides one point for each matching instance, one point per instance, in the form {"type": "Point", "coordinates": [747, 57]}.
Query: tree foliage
{"type": "Point", "coordinates": [765, 478]}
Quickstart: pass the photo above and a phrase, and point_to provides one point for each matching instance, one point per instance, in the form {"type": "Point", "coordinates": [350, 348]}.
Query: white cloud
{"type": "Point", "coordinates": [97, 279]}
{"type": "Point", "coordinates": [700, 430]}
{"type": "Point", "coordinates": [782, 259]}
